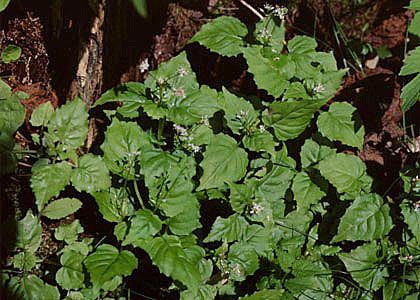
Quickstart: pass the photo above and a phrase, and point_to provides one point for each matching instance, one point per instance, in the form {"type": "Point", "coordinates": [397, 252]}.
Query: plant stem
{"type": "Point", "coordinates": [161, 126]}
{"type": "Point", "coordinates": [136, 190]}
{"type": "Point", "coordinates": [253, 10]}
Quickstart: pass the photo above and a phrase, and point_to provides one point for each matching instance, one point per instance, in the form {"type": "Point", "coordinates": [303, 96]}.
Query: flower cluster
{"type": "Point", "coordinates": [319, 88]}
{"type": "Point", "coordinates": [256, 208]}
{"type": "Point", "coordinates": [182, 71]}
{"type": "Point", "coordinates": [185, 137]}
{"type": "Point", "coordinates": [237, 270]}
{"type": "Point", "coordinates": [279, 11]}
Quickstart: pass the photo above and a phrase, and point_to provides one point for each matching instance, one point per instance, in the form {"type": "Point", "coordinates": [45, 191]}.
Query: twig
{"type": "Point", "coordinates": [244, 3]}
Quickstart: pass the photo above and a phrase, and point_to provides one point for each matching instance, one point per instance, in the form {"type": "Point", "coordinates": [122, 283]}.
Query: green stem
{"type": "Point", "coordinates": [161, 126]}
{"type": "Point", "coordinates": [136, 190]}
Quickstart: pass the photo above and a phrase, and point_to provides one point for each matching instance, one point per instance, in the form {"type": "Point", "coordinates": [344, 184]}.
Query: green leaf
{"type": "Point", "coordinates": [243, 261]}
{"type": "Point", "coordinates": [365, 267]}
{"type": "Point", "coordinates": [131, 94]}
{"type": "Point", "coordinates": [42, 114]}
{"type": "Point", "coordinates": [230, 229]}
{"type": "Point", "coordinates": [338, 124]}
{"type": "Point", "coordinates": [260, 141]}
{"type": "Point", "coordinates": [258, 238]}
{"type": "Point", "coordinates": [69, 125]}
{"type": "Point", "coordinates": [414, 26]}
{"type": "Point", "coordinates": [394, 290]}
{"type": "Point", "coordinates": [305, 191]}
{"type": "Point", "coordinates": [32, 287]}
{"type": "Point", "coordinates": [414, 4]}
{"type": "Point", "coordinates": [68, 232]}
{"type": "Point", "coordinates": [25, 261]}
{"type": "Point", "coordinates": [141, 7]}
{"type": "Point", "coordinates": [168, 178]}
{"type": "Point", "coordinates": [114, 205]}
{"type": "Point", "coordinates": [169, 85]}
{"type": "Point", "coordinates": [144, 224]}
{"type": "Point", "coordinates": [347, 173]}
{"type": "Point", "coordinates": [224, 161]}
{"type": "Point", "coordinates": [301, 44]}
{"type": "Point", "coordinates": [5, 89]}
{"type": "Point", "coordinates": [366, 219]}
{"type": "Point", "coordinates": [4, 4]}
{"type": "Point", "coordinates": [290, 119]}
{"type": "Point", "coordinates": [196, 105]}
{"type": "Point", "coordinates": [8, 158]}
{"type": "Point", "coordinates": [13, 114]}
{"type": "Point", "coordinates": [11, 52]}
{"type": "Point", "coordinates": [122, 146]}
{"type": "Point", "coordinates": [267, 74]}
{"type": "Point", "coordinates": [91, 174]}
{"type": "Point", "coordinates": [326, 84]}
{"type": "Point", "coordinates": [312, 279]}
{"type": "Point", "coordinates": [265, 295]}
{"type": "Point", "coordinates": [175, 261]}
{"type": "Point", "coordinates": [240, 196]}
{"type": "Point", "coordinates": [269, 32]}
{"type": "Point", "coordinates": [296, 90]}
{"type": "Point", "coordinates": [107, 262]}
{"type": "Point", "coordinates": [28, 233]}
{"type": "Point", "coordinates": [62, 208]}
{"type": "Point", "coordinates": [204, 292]}
{"type": "Point", "coordinates": [273, 186]}
{"type": "Point", "coordinates": [311, 153]}
{"type": "Point", "coordinates": [70, 275]}
{"type": "Point", "coordinates": [224, 35]}
{"type": "Point", "coordinates": [411, 218]}
{"type": "Point", "coordinates": [411, 93]}
{"type": "Point", "coordinates": [411, 63]}
{"type": "Point", "coordinates": [239, 113]}
{"type": "Point", "coordinates": [48, 180]}
{"type": "Point", "coordinates": [188, 220]}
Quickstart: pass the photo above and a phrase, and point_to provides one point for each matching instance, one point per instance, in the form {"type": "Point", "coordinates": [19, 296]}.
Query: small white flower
{"type": "Point", "coordinates": [161, 81]}
{"type": "Point", "coordinates": [242, 114]}
{"type": "Point", "coordinates": [408, 258]}
{"type": "Point", "coordinates": [265, 34]}
{"type": "Point", "coordinates": [268, 7]}
{"type": "Point", "coordinates": [182, 71]}
{"type": "Point", "coordinates": [194, 148]}
{"type": "Point", "coordinates": [166, 94]}
{"type": "Point", "coordinates": [319, 88]}
{"type": "Point", "coordinates": [180, 92]}
{"type": "Point", "coordinates": [205, 120]}
{"type": "Point", "coordinates": [180, 130]}
{"type": "Point", "coordinates": [281, 12]}
{"type": "Point", "coordinates": [256, 208]}
{"type": "Point", "coordinates": [261, 128]}
{"type": "Point", "coordinates": [144, 65]}
{"type": "Point", "coordinates": [417, 206]}
{"type": "Point", "coordinates": [237, 270]}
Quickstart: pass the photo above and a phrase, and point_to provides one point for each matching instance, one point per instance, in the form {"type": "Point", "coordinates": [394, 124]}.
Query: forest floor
{"type": "Point", "coordinates": [373, 32]}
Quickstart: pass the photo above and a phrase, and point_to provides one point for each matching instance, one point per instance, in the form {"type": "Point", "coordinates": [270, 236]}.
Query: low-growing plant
{"type": "Point", "coordinates": [13, 115]}
{"type": "Point", "coordinates": [298, 219]}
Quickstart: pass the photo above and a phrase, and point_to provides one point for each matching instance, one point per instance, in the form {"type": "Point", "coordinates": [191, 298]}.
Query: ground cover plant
{"type": "Point", "coordinates": [227, 195]}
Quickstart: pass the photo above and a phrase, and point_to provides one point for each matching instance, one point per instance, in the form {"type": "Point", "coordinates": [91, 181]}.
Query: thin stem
{"type": "Point", "coordinates": [161, 125]}
{"type": "Point", "coordinates": [253, 10]}
{"type": "Point", "coordinates": [142, 295]}
{"type": "Point", "coordinates": [136, 190]}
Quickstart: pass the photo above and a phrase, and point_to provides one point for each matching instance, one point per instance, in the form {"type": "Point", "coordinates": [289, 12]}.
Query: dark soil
{"type": "Point", "coordinates": [51, 52]}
